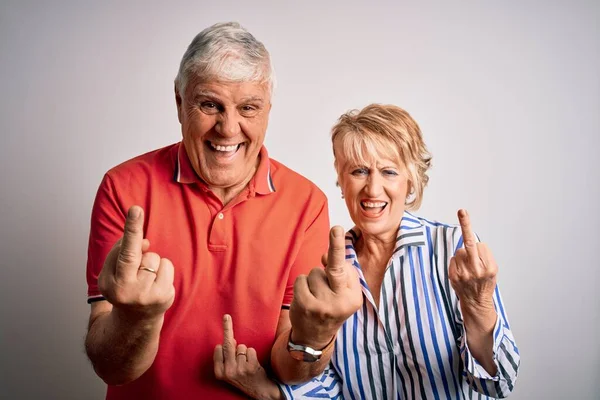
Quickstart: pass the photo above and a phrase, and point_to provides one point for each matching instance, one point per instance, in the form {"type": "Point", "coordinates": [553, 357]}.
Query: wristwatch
{"type": "Point", "coordinates": [305, 353]}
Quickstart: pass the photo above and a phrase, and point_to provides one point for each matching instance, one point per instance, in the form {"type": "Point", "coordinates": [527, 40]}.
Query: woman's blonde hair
{"type": "Point", "coordinates": [386, 131]}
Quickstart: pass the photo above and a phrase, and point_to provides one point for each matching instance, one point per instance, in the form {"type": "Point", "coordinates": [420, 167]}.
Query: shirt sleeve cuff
{"type": "Point", "coordinates": [325, 386]}
{"type": "Point", "coordinates": [286, 391]}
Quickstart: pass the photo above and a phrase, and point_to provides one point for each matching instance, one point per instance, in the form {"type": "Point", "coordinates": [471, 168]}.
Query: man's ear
{"type": "Point", "coordinates": [178, 101]}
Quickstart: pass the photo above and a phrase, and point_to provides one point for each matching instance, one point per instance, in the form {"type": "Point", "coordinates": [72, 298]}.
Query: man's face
{"type": "Point", "coordinates": [223, 126]}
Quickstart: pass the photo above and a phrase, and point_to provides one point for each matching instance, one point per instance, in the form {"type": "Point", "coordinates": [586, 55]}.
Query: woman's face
{"type": "Point", "coordinates": [375, 194]}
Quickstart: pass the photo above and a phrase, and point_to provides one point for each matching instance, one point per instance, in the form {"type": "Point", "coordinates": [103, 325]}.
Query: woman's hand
{"type": "Point", "coordinates": [472, 273]}
{"type": "Point", "coordinates": [239, 366]}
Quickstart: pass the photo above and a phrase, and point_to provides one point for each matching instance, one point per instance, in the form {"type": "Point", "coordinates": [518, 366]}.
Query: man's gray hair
{"type": "Point", "coordinates": [225, 52]}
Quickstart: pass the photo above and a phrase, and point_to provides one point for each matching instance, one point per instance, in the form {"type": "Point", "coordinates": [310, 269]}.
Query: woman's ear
{"type": "Point", "coordinates": [410, 193]}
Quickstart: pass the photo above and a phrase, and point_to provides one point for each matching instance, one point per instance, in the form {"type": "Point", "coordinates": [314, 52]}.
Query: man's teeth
{"type": "Point", "coordinates": [376, 204]}
{"type": "Point", "coordinates": [224, 148]}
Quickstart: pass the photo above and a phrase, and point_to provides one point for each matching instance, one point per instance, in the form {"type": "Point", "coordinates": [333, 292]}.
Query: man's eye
{"type": "Point", "coordinates": [209, 107]}
{"type": "Point", "coordinates": [248, 110]}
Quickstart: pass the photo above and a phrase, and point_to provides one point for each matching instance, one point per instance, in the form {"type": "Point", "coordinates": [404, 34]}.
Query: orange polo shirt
{"type": "Point", "coordinates": [241, 259]}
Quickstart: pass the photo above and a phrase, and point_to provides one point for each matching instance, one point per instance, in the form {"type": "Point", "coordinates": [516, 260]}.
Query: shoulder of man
{"type": "Point", "coordinates": [289, 181]}
{"type": "Point", "coordinates": [153, 164]}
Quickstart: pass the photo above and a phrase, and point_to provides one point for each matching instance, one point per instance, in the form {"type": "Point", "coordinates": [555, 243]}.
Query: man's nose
{"type": "Point", "coordinates": [228, 124]}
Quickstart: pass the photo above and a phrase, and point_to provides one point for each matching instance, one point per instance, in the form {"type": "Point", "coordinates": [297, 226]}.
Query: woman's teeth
{"type": "Point", "coordinates": [375, 204]}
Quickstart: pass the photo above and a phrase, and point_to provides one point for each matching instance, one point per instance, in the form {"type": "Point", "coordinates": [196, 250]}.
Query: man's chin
{"type": "Point", "coordinates": [225, 180]}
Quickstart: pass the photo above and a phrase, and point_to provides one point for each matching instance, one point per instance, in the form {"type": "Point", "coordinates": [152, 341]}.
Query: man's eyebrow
{"type": "Point", "coordinates": [253, 98]}
{"type": "Point", "coordinates": [207, 93]}
{"type": "Point", "coordinates": [214, 96]}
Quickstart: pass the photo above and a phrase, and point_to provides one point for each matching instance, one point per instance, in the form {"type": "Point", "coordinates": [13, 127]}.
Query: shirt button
{"type": "Point", "coordinates": [221, 216]}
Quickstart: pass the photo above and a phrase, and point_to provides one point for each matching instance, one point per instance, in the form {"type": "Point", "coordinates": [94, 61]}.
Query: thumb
{"type": "Point", "coordinates": [336, 260]}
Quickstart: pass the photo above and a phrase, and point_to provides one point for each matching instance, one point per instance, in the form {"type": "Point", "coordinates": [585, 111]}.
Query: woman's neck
{"type": "Point", "coordinates": [377, 249]}
{"type": "Point", "coordinates": [374, 252]}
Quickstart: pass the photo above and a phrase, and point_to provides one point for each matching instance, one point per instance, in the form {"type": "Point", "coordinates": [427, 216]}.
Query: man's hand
{"type": "Point", "coordinates": [238, 365]}
{"type": "Point", "coordinates": [139, 284]}
{"type": "Point", "coordinates": [472, 273]}
{"type": "Point", "coordinates": [324, 299]}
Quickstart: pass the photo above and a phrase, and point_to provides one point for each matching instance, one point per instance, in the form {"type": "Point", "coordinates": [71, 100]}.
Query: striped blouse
{"type": "Point", "coordinates": [413, 345]}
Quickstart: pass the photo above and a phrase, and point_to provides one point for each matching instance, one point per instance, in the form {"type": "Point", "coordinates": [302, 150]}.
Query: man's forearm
{"type": "Point", "coordinates": [291, 371]}
{"type": "Point", "coordinates": [121, 350]}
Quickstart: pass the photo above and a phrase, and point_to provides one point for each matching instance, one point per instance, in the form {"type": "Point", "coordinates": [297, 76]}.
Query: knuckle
{"type": "Point", "coordinates": [121, 297]}
{"type": "Point", "coordinates": [166, 263]}
{"type": "Point", "coordinates": [311, 308]}
{"type": "Point", "coordinates": [171, 293]}
{"type": "Point", "coordinates": [300, 280]}
{"type": "Point", "coordinates": [469, 241]}
{"type": "Point", "coordinates": [357, 303]}
{"type": "Point", "coordinates": [230, 371]}
{"type": "Point", "coordinates": [315, 273]}
{"type": "Point", "coordinates": [125, 257]}
{"type": "Point", "coordinates": [242, 370]}
{"type": "Point", "coordinates": [132, 228]}
{"type": "Point", "coordinates": [324, 313]}
{"type": "Point", "coordinates": [151, 259]}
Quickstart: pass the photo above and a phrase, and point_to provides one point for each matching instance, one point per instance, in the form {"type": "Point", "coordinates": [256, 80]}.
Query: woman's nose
{"type": "Point", "coordinates": [374, 186]}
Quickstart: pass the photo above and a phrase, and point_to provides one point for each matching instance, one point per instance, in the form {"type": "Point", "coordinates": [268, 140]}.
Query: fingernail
{"type": "Point", "coordinates": [134, 212]}
{"type": "Point", "coordinates": [337, 231]}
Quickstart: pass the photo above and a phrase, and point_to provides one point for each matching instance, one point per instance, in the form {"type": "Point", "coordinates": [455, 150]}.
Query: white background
{"type": "Point", "coordinates": [506, 93]}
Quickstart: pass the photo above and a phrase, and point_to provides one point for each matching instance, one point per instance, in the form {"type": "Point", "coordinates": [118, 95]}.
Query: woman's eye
{"type": "Point", "coordinates": [389, 172]}
{"type": "Point", "coordinates": [360, 171]}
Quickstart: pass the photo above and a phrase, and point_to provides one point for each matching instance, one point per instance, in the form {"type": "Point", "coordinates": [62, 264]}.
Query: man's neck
{"type": "Point", "coordinates": [226, 195]}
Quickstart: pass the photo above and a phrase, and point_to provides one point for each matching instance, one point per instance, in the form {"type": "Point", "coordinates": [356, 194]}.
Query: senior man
{"type": "Point", "coordinates": [183, 235]}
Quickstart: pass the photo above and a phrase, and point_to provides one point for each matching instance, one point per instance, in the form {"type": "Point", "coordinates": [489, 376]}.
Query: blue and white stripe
{"type": "Point", "coordinates": [413, 345]}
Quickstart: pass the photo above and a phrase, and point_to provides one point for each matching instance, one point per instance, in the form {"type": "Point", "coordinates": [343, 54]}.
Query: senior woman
{"type": "Point", "coordinates": [412, 338]}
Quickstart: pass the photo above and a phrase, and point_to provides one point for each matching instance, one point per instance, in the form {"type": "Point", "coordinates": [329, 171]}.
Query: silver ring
{"type": "Point", "coordinates": [148, 269]}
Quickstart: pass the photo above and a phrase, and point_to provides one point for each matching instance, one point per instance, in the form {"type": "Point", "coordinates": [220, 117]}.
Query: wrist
{"type": "Point", "coordinates": [315, 343]}
{"type": "Point", "coordinates": [480, 320]}
{"type": "Point", "coordinates": [309, 354]}
{"type": "Point", "coordinates": [137, 321]}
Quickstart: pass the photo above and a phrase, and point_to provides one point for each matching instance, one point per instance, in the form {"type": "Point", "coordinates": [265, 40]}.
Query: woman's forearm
{"type": "Point", "coordinates": [479, 327]}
